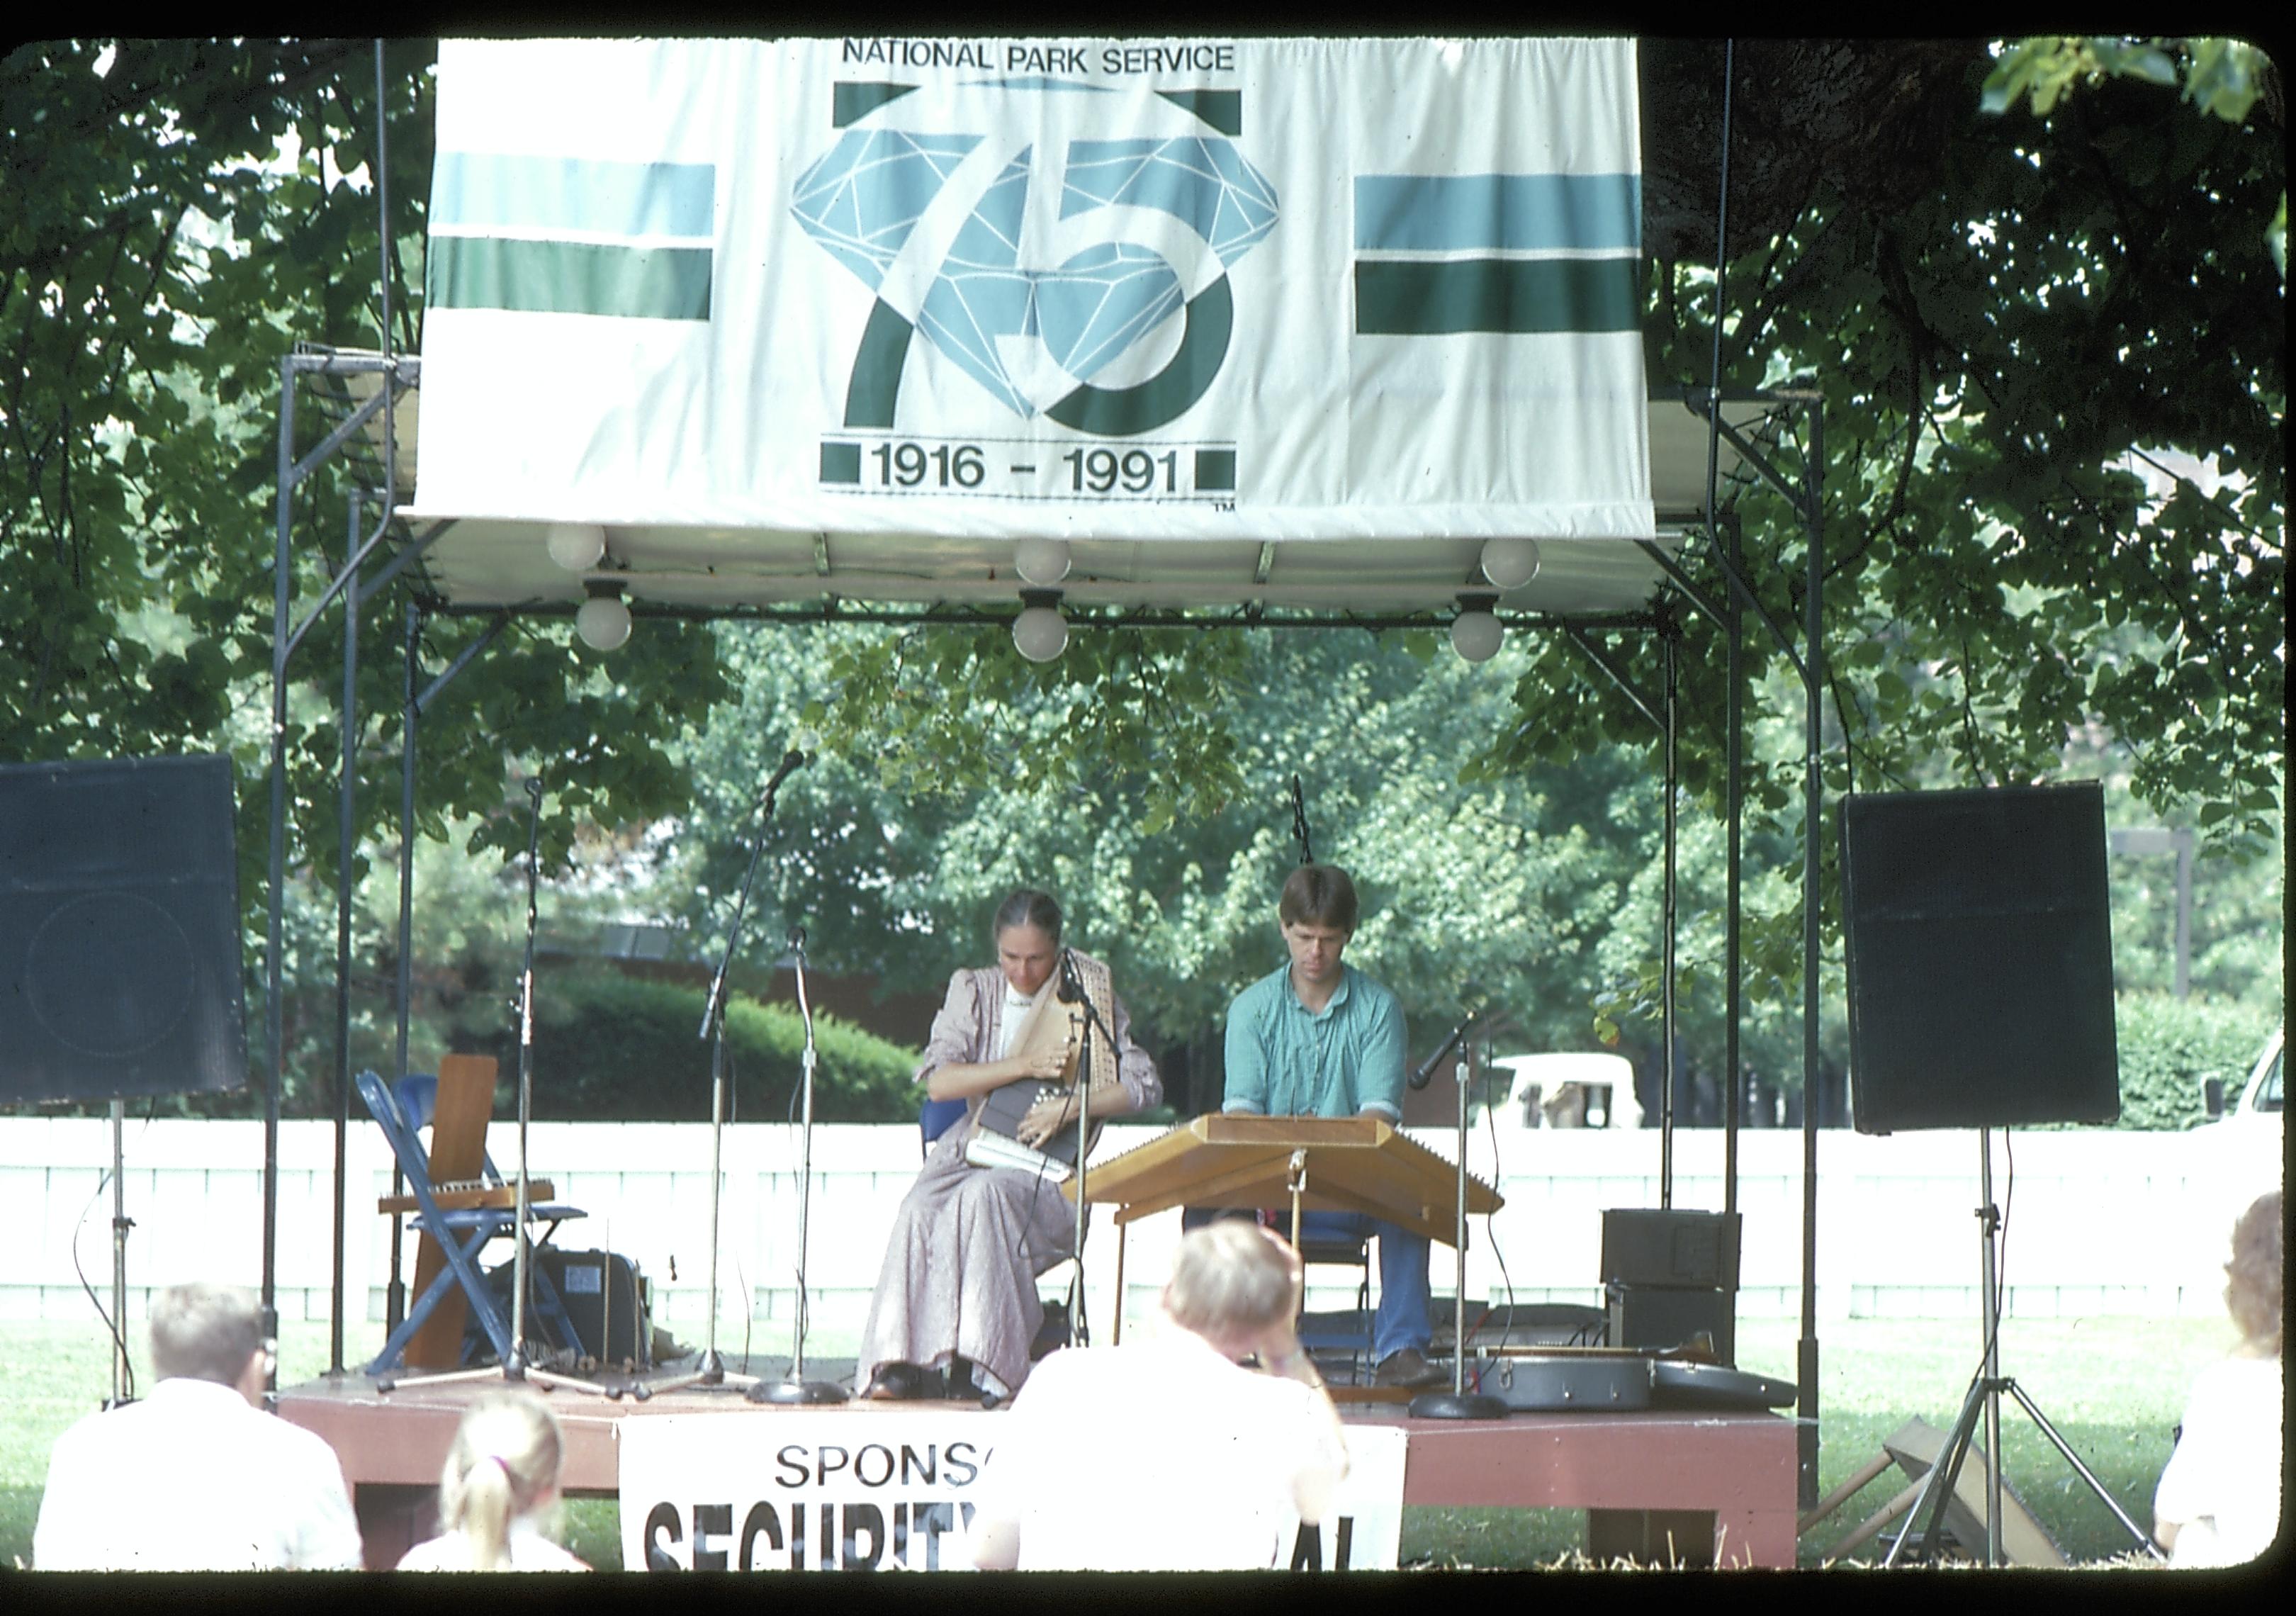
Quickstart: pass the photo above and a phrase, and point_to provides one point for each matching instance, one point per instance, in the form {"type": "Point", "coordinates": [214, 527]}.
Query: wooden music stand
{"type": "Point", "coordinates": [1343, 1164]}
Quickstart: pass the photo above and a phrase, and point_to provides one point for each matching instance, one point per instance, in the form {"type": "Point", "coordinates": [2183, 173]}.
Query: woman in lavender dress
{"type": "Point", "coordinates": [960, 1274]}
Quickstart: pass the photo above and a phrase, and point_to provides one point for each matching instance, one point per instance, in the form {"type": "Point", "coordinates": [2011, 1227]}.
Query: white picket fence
{"type": "Point", "coordinates": [2099, 1222]}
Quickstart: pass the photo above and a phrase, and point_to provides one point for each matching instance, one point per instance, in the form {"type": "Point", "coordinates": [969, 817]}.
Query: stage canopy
{"type": "Point", "coordinates": [1276, 322]}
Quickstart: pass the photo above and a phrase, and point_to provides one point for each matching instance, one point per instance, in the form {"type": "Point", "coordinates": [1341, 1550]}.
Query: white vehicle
{"type": "Point", "coordinates": [1570, 1090]}
{"type": "Point", "coordinates": [2243, 1146]}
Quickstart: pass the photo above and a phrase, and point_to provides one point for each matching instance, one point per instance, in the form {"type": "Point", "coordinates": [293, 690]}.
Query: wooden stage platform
{"type": "Point", "coordinates": [1698, 1488]}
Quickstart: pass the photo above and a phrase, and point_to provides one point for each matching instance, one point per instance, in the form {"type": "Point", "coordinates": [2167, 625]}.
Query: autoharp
{"type": "Point", "coordinates": [1052, 1026]}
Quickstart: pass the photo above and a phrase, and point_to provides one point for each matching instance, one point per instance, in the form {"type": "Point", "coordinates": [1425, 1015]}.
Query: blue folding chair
{"type": "Point", "coordinates": [937, 1116]}
{"type": "Point", "coordinates": [461, 1235]}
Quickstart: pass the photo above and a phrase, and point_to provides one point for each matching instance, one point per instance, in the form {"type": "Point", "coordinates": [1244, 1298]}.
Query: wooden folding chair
{"type": "Point", "coordinates": [1914, 1449]}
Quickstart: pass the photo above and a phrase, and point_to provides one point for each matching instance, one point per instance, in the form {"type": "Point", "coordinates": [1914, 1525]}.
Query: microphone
{"type": "Point", "coordinates": [796, 939]}
{"type": "Point", "coordinates": [792, 761]}
{"type": "Point", "coordinates": [1426, 1072]}
{"type": "Point", "coordinates": [1071, 989]}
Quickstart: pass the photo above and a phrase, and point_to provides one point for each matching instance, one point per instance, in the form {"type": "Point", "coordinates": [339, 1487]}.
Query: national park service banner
{"type": "Point", "coordinates": [978, 285]}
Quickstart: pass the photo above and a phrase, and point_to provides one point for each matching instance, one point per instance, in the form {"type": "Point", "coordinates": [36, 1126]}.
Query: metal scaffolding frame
{"type": "Point", "coordinates": [356, 394]}
{"type": "Point", "coordinates": [359, 392]}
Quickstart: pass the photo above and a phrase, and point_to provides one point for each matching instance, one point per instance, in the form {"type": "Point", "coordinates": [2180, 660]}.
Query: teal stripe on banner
{"type": "Point", "coordinates": [1424, 298]}
{"type": "Point", "coordinates": [1497, 212]}
{"type": "Point", "coordinates": [483, 188]}
{"type": "Point", "coordinates": [569, 277]}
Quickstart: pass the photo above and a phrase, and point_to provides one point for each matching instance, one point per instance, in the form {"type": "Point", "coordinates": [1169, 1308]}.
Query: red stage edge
{"type": "Point", "coordinates": [1685, 1489]}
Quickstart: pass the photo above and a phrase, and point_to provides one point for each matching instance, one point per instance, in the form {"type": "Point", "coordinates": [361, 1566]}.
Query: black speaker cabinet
{"type": "Point", "coordinates": [119, 946]}
{"type": "Point", "coordinates": [1979, 942]}
{"type": "Point", "coordinates": [1662, 1316]}
{"type": "Point", "coordinates": [1645, 1246]}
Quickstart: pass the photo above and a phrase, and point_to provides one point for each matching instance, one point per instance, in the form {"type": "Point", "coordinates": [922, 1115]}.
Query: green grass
{"type": "Point", "coordinates": [2113, 1387]}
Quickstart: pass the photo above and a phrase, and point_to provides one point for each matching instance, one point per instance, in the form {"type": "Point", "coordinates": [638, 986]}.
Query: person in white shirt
{"type": "Point", "coordinates": [196, 1477]}
{"type": "Point", "coordinates": [498, 1493]}
{"type": "Point", "coordinates": [1168, 1454]}
{"type": "Point", "coordinates": [2219, 1500]}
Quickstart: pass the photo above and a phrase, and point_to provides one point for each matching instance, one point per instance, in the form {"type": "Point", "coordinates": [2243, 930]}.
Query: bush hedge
{"type": "Point", "coordinates": [611, 1047]}
{"type": "Point", "coordinates": [2170, 1045]}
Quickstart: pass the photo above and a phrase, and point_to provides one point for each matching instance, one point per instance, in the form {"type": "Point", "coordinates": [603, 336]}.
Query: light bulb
{"type": "Point", "coordinates": [1040, 633]}
{"type": "Point", "coordinates": [603, 622]}
{"type": "Point", "coordinates": [1042, 561]}
{"type": "Point", "coordinates": [1510, 563]}
{"type": "Point", "coordinates": [576, 546]}
{"type": "Point", "coordinates": [1475, 634]}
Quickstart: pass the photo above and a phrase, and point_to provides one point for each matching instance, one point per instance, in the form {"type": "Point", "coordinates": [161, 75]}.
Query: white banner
{"type": "Point", "coordinates": [892, 1489]}
{"type": "Point", "coordinates": [988, 286]}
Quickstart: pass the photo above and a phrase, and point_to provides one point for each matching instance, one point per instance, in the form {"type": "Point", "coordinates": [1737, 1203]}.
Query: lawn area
{"type": "Point", "coordinates": [2114, 1387]}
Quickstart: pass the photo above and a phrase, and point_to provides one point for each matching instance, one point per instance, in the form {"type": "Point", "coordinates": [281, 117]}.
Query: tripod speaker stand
{"type": "Point", "coordinates": [1977, 946]}
{"type": "Point", "coordinates": [1985, 1397]}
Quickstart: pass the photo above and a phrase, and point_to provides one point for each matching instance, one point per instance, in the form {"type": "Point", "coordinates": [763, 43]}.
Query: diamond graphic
{"type": "Point", "coordinates": [862, 199]}
{"type": "Point", "coordinates": [864, 195]}
{"type": "Point", "coordinates": [1205, 183]}
{"type": "Point", "coordinates": [1102, 301]}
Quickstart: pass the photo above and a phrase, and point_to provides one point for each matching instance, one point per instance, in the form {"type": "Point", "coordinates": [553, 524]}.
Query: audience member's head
{"type": "Point", "coordinates": [504, 1465]}
{"type": "Point", "coordinates": [1231, 1282]}
{"type": "Point", "coordinates": [1318, 895]}
{"type": "Point", "coordinates": [2252, 1291]}
{"type": "Point", "coordinates": [206, 1332]}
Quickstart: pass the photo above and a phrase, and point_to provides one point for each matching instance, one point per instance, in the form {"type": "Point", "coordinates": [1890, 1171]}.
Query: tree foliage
{"type": "Point", "coordinates": [2050, 351]}
{"type": "Point", "coordinates": [181, 216]}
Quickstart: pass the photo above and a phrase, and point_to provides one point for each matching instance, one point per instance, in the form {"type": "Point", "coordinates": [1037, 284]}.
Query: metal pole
{"type": "Point", "coordinates": [120, 1227]}
{"type": "Point", "coordinates": [1813, 813]}
{"type": "Point", "coordinates": [1988, 1278]}
{"type": "Point", "coordinates": [1733, 806]}
{"type": "Point", "coordinates": [2181, 839]}
{"type": "Point", "coordinates": [274, 1059]}
{"type": "Point", "coordinates": [1668, 631]}
{"type": "Point", "coordinates": [347, 825]}
{"type": "Point", "coordinates": [805, 1169]}
{"type": "Point", "coordinates": [395, 1302]}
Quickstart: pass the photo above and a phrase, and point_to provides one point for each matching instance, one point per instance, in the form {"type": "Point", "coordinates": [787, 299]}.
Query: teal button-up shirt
{"type": "Point", "coordinates": [1284, 1060]}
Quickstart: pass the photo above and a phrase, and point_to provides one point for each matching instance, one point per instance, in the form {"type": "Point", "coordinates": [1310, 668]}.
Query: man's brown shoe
{"type": "Point", "coordinates": [1409, 1368]}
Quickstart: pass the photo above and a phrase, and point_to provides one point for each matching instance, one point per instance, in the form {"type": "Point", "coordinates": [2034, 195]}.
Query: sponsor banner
{"type": "Point", "coordinates": [990, 286]}
{"type": "Point", "coordinates": [886, 1490]}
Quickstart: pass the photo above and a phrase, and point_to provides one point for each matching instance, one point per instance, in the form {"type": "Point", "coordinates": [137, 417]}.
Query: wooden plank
{"type": "Point", "coordinates": [458, 1150]}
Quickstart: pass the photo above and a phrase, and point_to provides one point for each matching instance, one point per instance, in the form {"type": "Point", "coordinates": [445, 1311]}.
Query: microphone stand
{"type": "Point", "coordinates": [794, 1387]}
{"type": "Point", "coordinates": [514, 1366]}
{"type": "Point", "coordinates": [1459, 1403]}
{"type": "Point", "coordinates": [712, 1372]}
{"type": "Point", "coordinates": [1071, 992]}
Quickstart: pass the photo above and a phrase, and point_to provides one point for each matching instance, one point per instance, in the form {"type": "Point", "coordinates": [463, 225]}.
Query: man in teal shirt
{"type": "Point", "coordinates": [1319, 1038]}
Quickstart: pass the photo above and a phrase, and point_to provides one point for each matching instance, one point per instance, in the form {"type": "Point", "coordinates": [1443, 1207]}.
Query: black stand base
{"type": "Point", "coordinates": [798, 1391]}
{"type": "Point", "coordinates": [1457, 1405]}
{"type": "Point", "coordinates": [712, 1375]}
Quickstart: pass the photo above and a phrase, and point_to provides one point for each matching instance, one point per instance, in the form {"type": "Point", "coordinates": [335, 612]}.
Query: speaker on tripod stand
{"type": "Point", "coordinates": [1978, 941]}
{"type": "Point", "coordinates": [119, 947]}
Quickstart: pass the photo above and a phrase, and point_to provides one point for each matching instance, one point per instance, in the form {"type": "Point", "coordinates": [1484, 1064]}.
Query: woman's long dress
{"type": "Point", "coordinates": [960, 1271]}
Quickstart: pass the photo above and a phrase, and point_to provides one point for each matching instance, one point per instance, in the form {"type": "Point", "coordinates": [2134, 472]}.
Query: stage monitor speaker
{"type": "Point", "coordinates": [1979, 942]}
{"type": "Point", "coordinates": [120, 943]}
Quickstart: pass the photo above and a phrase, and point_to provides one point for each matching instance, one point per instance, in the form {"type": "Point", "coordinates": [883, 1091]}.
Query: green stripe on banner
{"type": "Point", "coordinates": [569, 277]}
{"type": "Point", "coordinates": [1427, 299]}
{"type": "Point", "coordinates": [1497, 212]}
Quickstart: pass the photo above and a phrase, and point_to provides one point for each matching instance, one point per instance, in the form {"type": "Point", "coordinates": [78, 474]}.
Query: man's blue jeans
{"type": "Point", "coordinates": [1402, 1317]}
